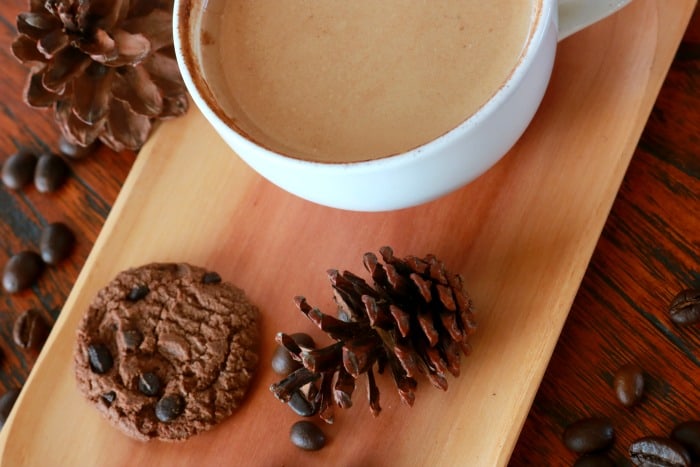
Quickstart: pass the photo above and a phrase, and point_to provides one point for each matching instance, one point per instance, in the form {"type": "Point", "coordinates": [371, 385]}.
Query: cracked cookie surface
{"type": "Point", "coordinates": [167, 350]}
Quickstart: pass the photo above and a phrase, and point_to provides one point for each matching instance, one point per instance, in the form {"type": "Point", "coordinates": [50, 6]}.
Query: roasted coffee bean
{"type": "Point", "coordinates": [628, 383]}
{"type": "Point", "coordinates": [211, 278]}
{"type": "Point", "coordinates": [169, 407]}
{"type": "Point", "coordinates": [283, 363]}
{"type": "Point", "coordinates": [685, 307]}
{"type": "Point", "coordinates": [307, 436]}
{"type": "Point", "coordinates": [688, 434]}
{"type": "Point", "coordinates": [657, 451]}
{"type": "Point", "coordinates": [21, 271]}
{"type": "Point", "coordinates": [137, 293]}
{"type": "Point", "coordinates": [109, 397]}
{"type": "Point", "coordinates": [18, 169]}
{"type": "Point", "coordinates": [56, 242]}
{"type": "Point", "coordinates": [100, 358]}
{"type": "Point", "coordinates": [589, 435]}
{"type": "Point", "coordinates": [594, 460]}
{"type": "Point", "coordinates": [75, 151]}
{"type": "Point", "coordinates": [51, 173]}
{"type": "Point", "coordinates": [7, 401]}
{"type": "Point", "coordinates": [30, 330]}
{"type": "Point", "coordinates": [132, 338]}
{"type": "Point", "coordinates": [300, 405]}
{"type": "Point", "coordinates": [149, 384]}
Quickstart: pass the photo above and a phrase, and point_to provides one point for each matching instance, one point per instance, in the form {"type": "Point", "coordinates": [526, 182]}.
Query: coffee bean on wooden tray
{"type": "Point", "coordinates": [307, 435]}
{"type": "Point", "coordinates": [18, 169]}
{"type": "Point", "coordinates": [50, 174]}
{"type": "Point", "coordinates": [21, 271]}
{"type": "Point", "coordinates": [589, 435]}
{"type": "Point", "coordinates": [301, 405]}
{"type": "Point", "coordinates": [282, 362]}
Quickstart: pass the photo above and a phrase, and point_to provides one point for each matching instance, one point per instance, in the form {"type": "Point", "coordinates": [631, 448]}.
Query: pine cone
{"type": "Point", "coordinates": [416, 319]}
{"type": "Point", "coordinates": [107, 67]}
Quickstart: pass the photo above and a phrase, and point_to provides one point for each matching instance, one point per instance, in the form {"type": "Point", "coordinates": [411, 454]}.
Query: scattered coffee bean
{"type": "Point", "coordinates": [594, 460]}
{"type": "Point", "coordinates": [75, 151]}
{"type": "Point", "coordinates": [628, 383]}
{"type": "Point", "coordinates": [137, 293]}
{"type": "Point", "coordinates": [300, 405]}
{"type": "Point", "coordinates": [307, 436]}
{"type": "Point", "coordinates": [30, 330]}
{"type": "Point", "coordinates": [21, 271]}
{"type": "Point", "coordinates": [7, 401]}
{"type": "Point", "coordinates": [657, 451]}
{"type": "Point", "coordinates": [282, 362]}
{"type": "Point", "coordinates": [149, 384]}
{"type": "Point", "coordinates": [132, 338]}
{"type": "Point", "coordinates": [211, 278]}
{"type": "Point", "coordinates": [685, 307]}
{"type": "Point", "coordinates": [18, 169]}
{"type": "Point", "coordinates": [100, 358]}
{"type": "Point", "coordinates": [168, 408]}
{"type": "Point", "coordinates": [109, 397]}
{"type": "Point", "coordinates": [51, 173]}
{"type": "Point", "coordinates": [56, 242]}
{"type": "Point", "coordinates": [688, 434]}
{"type": "Point", "coordinates": [589, 435]}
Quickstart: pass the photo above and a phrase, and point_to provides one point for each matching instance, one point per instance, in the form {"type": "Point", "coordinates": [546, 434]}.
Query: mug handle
{"type": "Point", "coordinates": [575, 15]}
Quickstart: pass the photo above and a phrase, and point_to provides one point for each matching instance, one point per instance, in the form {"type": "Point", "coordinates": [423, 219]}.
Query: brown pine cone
{"type": "Point", "coordinates": [416, 319]}
{"type": "Point", "coordinates": [106, 67]}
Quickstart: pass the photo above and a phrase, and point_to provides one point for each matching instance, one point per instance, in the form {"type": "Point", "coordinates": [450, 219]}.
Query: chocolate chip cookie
{"type": "Point", "coordinates": [167, 350]}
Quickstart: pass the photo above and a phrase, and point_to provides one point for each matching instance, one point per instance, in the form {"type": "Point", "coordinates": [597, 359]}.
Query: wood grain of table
{"type": "Point", "coordinates": [649, 250]}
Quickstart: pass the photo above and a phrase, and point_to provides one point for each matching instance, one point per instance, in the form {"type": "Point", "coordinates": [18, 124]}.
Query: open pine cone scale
{"type": "Point", "coordinates": [107, 67]}
{"type": "Point", "coordinates": [415, 318]}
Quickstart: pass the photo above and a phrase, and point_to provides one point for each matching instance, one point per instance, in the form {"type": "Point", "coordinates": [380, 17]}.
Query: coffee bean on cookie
{"type": "Point", "coordinates": [109, 397]}
{"type": "Point", "coordinates": [169, 407]}
{"type": "Point", "coordinates": [149, 384]}
{"type": "Point", "coordinates": [137, 293]}
{"type": "Point", "coordinates": [211, 278]}
{"type": "Point", "coordinates": [100, 358]}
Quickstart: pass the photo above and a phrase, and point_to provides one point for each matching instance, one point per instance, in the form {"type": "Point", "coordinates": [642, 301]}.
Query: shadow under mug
{"type": "Point", "coordinates": [419, 175]}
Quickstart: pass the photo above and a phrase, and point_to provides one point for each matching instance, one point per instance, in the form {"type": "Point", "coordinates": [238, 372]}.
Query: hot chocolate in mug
{"type": "Point", "coordinates": [367, 105]}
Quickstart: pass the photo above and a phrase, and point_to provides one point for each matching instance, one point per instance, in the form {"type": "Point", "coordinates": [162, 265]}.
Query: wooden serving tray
{"type": "Point", "coordinates": [521, 236]}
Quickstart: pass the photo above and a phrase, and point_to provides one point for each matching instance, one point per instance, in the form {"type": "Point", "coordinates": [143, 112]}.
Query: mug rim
{"type": "Point", "coordinates": [199, 90]}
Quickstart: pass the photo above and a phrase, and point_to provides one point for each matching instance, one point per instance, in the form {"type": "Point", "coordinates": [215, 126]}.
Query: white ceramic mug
{"type": "Point", "coordinates": [426, 172]}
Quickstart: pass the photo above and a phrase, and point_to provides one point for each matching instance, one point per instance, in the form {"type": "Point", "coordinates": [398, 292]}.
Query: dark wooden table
{"type": "Point", "coordinates": [649, 250]}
